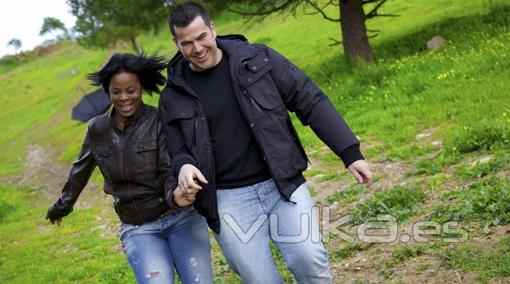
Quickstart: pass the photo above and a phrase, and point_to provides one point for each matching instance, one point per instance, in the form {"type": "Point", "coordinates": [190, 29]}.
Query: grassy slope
{"type": "Point", "coordinates": [461, 87]}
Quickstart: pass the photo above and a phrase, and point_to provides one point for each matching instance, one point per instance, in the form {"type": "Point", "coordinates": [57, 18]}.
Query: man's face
{"type": "Point", "coordinates": [197, 42]}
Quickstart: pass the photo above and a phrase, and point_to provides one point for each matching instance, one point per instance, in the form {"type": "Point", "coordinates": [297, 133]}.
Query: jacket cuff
{"type": "Point", "coordinates": [351, 154]}
{"type": "Point", "coordinates": [170, 200]}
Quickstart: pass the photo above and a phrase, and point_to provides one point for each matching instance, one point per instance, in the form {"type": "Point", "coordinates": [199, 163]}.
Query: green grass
{"type": "Point", "coordinates": [407, 252]}
{"type": "Point", "coordinates": [485, 201]}
{"type": "Point", "coordinates": [401, 255]}
{"type": "Point", "coordinates": [485, 262]}
{"type": "Point", "coordinates": [348, 195]}
{"type": "Point", "coordinates": [33, 251]}
{"type": "Point", "coordinates": [399, 202]}
{"type": "Point", "coordinates": [346, 251]}
{"type": "Point", "coordinates": [498, 162]}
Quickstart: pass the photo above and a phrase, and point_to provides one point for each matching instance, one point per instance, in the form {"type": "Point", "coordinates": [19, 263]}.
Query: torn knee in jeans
{"type": "Point", "coordinates": [153, 274]}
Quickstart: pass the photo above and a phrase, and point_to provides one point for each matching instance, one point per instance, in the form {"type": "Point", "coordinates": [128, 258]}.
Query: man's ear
{"type": "Point", "coordinates": [175, 42]}
{"type": "Point", "coordinates": [213, 30]}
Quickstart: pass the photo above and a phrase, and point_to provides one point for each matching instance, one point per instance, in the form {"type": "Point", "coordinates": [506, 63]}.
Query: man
{"type": "Point", "coordinates": [225, 111]}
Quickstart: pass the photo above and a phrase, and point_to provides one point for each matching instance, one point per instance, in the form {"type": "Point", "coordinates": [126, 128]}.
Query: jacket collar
{"type": "Point", "coordinates": [131, 120]}
{"type": "Point", "coordinates": [230, 44]}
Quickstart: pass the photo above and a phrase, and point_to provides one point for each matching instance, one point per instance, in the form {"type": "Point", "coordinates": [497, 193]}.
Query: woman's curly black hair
{"type": "Point", "coordinates": [147, 68]}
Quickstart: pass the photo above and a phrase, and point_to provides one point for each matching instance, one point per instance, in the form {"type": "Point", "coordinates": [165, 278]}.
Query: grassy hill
{"type": "Point", "coordinates": [434, 125]}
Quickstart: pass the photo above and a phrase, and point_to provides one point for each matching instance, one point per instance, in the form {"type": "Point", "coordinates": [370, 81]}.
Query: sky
{"type": "Point", "coordinates": [23, 19]}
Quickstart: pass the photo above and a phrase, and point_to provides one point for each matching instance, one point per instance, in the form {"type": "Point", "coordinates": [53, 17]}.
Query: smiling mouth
{"type": "Point", "coordinates": [202, 57]}
{"type": "Point", "coordinates": [125, 108]}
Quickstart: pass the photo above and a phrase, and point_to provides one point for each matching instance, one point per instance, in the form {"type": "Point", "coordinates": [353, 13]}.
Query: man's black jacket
{"type": "Point", "coordinates": [134, 163]}
{"type": "Point", "coordinates": [267, 86]}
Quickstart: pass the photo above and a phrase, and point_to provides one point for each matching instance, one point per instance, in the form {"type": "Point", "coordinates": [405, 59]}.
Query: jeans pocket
{"type": "Point", "coordinates": [125, 233]}
{"type": "Point", "coordinates": [300, 194]}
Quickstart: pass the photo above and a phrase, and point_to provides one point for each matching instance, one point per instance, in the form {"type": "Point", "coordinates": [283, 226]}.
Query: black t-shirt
{"type": "Point", "coordinates": [237, 156]}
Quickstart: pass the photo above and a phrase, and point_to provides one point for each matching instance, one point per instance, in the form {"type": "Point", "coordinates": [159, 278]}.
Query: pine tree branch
{"type": "Point", "coordinates": [321, 11]}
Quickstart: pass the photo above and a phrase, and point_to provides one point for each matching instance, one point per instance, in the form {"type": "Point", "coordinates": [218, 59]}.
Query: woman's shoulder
{"type": "Point", "coordinates": [150, 112]}
{"type": "Point", "coordinates": [99, 123]}
{"type": "Point", "coordinates": [150, 109]}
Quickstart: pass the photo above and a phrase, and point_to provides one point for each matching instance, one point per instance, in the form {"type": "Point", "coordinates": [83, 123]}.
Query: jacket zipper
{"type": "Point", "coordinates": [129, 191]}
{"type": "Point", "coordinates": [195, 126]}
{"type": "Point", "coordinates": [252, 101]}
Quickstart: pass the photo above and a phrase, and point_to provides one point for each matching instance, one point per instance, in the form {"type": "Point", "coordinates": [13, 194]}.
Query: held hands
{"type": "Point", "coordinates": [189, 181]}
{"type": "Point", "coordinates": [190, 178]}
{"type": "Point", "coordinates": [361, 171]}
{"type": "Point", "coordinates": [183, 199]}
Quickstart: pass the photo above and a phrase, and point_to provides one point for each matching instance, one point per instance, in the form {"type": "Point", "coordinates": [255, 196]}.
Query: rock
{"type": "Point", "coordinates": [436, 42]}
{"type": "Point", "coordinates": [422, 136]}
{"type": "Point", "coordinates": [437, 143]}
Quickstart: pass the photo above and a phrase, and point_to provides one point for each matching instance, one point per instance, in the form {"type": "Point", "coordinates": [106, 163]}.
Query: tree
{"type": "Point", "coordinates": [102, 24]}
{"type": "Point", "coordinates": [15, 42]}
{"type": "Point", "coordinates": [350, 14]}
{"type": "Point", "coordinates": [51, 25]}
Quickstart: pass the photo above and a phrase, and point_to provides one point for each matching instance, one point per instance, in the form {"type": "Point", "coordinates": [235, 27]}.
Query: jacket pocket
{"type": "Point", "coordinates": [145, 155]}
{"type": "Point", "coordinates": [188, 124]}
{"type": "Point", "coordinates": [144, 146]}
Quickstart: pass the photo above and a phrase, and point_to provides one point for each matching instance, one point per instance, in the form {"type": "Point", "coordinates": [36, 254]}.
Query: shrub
{"type": "Point", "coordinates": [399, 202]}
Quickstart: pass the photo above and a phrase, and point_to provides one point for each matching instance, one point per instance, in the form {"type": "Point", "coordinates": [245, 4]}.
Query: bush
{"type": "Point", "coordinates": [399, 202]}
{"type": "Point", "coordinates": [482, 136]}
{"type": "Point", "coordinates": [487, 201]}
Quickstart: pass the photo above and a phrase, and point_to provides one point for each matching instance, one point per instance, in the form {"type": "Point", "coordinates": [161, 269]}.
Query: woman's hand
{"type": "Point", "coordinates": [53, 216]}
{"type": "Point", "coordinates": [182, 198]}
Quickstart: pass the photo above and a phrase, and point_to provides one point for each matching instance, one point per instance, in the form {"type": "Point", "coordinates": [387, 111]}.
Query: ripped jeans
{"type": "Point", "coordinates": [177, 240]}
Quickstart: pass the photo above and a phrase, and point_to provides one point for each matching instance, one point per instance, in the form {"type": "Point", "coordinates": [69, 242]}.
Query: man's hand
{"type": "Point", "coordinates": [182, 199]}
{"type": "Point", "coordinates": [190, 178]}
{"type": "Point", "coordinates": [361, 171]}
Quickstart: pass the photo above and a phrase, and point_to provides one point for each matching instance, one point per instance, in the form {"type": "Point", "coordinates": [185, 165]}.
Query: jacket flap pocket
{"type": "Point", "coordinates": [254, 70]}
{"type": "Point", "coordinates": [180, 107]}
{"type": "Point", "coordinates": [148, 145]}
{"type": "Point", "coordinates": [176, 115]}
{"type": "Point", "coordinates": [258, 64]}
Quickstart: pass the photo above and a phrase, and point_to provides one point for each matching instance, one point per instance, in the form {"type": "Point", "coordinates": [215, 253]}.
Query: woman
{"type": "Point", "coordinates": [129, 147]}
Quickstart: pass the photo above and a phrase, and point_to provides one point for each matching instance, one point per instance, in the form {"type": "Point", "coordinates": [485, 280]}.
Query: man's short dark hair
{"type": "Point", "coordinates": [146, 68]}
{"type": "Point", "coordinates": [183, 14]}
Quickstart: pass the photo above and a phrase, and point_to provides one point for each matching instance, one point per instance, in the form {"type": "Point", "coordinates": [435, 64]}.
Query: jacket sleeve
{"type": "Point", "coordinates": [165, 171]}
{"type": "Point", "coordinates": [177, 148]}
{"type": "Point", "coordinates": [302, 96]}
{"type": "Point", "coordinates": [79, 175]}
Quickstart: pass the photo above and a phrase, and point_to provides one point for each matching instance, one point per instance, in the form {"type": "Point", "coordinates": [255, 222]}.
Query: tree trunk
{"type": "Point", "coordinates": [134, 44]}
{"type": "Point", "coordinates": [354, 32]}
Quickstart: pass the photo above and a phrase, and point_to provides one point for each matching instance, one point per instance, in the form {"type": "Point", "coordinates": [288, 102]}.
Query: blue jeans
{"type": "Point", "coordinates": [252, 216]}
{"type": "Point", "coordinates": [180, 239]}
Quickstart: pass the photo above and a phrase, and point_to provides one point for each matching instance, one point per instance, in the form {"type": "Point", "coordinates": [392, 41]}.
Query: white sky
{"type": "Point", "coordinates": [23, 19]}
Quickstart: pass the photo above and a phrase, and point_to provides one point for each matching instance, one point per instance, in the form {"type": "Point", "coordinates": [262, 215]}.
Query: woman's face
{"type": "Point", "coordinates": [125, 94]}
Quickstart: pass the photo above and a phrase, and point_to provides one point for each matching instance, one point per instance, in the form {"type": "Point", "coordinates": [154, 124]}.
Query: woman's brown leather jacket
{"type": "Point", "coordinates": [134, 163]}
